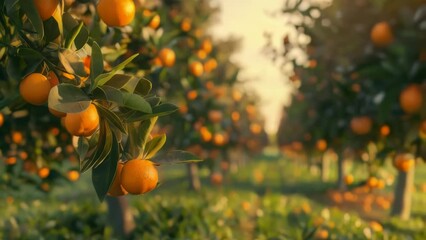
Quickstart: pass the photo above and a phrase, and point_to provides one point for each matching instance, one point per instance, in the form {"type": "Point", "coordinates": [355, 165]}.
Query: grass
{"type": "Point", "coordinates": [268, 198]}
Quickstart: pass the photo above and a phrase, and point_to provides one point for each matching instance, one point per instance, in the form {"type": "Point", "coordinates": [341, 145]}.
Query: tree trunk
{"type": "Point", "coordinates": [193, 177]}
{"type": "Point", "coordinates": [341, 172]}
{"type": "Point", "coordinates": [403, 191]}
{"type": "Point", "coordinates": [120, 217]}
{"type": "Point", "coordinates": [325, 168]}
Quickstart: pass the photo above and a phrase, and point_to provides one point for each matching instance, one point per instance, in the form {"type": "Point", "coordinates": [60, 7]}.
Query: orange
{"type": "Point", "coordinates": [321, 145]}
{"type": "Point", "coordinates": [156, 62]}
{"type": "Point", "coordinates": [219, 139]}
{"type": "Point", "coordinates": [201, 54]}
{"type": "Point", "coordinates": [43, 172]}
{"type": "Point", "coordinates": [384, 130]}
{"type": "Point", "coordinates": [183, 109]}
{"type": "Point", "coordinates": [404, 162]}
{"type": "Point", "coordinates": [375, 226]}
{"type": "Point", "coordinates": [46, 8]}
{"type": "Point", "coordinates": [381, 34]}
{"type": "Point", "coordinates": [372, 182]}
{"type": "Point", "coordinates": [215, 116]}
{"type": "Point", "coordinates": [209, 85]}
{"type": "Point", "coordinates": [196, 68]}
{"type": "Point", "coordinates": [35, 88]}
{"type": "Point", "coordinates": [116, 189]}
{"type": "Point", "coordinates": [361, 125]}
{"type": "Point", "coordinates": [255, 128]}
{"type": "Point", "coordinates": [73, 175]}
{"type": "Point", "coordinates": [83, 123]}
{"type": "Point", "coordinates": [139, 176]}
{"type": "Point", "coordinates": [192, 94]}
{"type": "Point", "coordinates": [411, 99]}
{"type": "Point", "coordinates": [216, 178]}
{"type": "Point", "coordinates": [236, 95]}
{"type": "Point", "coordinates": [210, 65]}
{"type": "Point", "coordinates": [380, 184]}
{"type": "Point", "coordinates": [155, 22]}
{"type": "Point", "coordinates": [167, 57]}
{"type": "Point", "coordinates": [349, 179]}
{"type": "Point", "coordinates": [87, 61]}
{"type": "Point", "coordinates": [186, 25]}
{"type": "Point", "coordinates": [57, 113]}
{"type": "Point", "coordinates": [10, 160]}
{"type": "Point", "coordinates": [23, 155]}
{"type": "Point", "coordinates": [321, 234]}
{"type": "Point", "coordinates": [17, 137]}
{"type": "Point", "coordinates": [235, 116]}
{"type": "Point", "coordinates": [1, 119]}
{"type": "Point", "coordinates": [53, 79]}
{"type": "Point", "coordinates": [116, 13]}
{"type": "Point", "coordinates": [206, 135]}
{"type": "Point", "coordinates": [206, 45]}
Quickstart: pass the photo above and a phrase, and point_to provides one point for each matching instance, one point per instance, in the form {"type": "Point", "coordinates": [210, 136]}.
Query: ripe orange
{"type": "Point", "coordinates": [404, 162]}
{"type": "Point", "coordinates": [235, 116]}
{"type": "Point", "coordinates": [17, 137]}
{"type": "Point", "coordinates": [321, 145]}
{"type": "Point", "coordinates": [349, 179]}
{"type": "Point", "coordinates": [192, 95]}
{"type": "Point", "coordinates": [210, 65]}
{"type": "Point", "coordinates": [83, 123]}
{"type": "Point", "coordinates": [73, 175]}
{"type": "Point", "coordinates": [156, 62]}
{"type": "Point", "coordinates": [381, 34]}
{"type": "Point", "coordinates": [155, 22]}
{"type": "Point", "coordinates": [219, 139]}
{"type": "Point", "coordinates": [87, 61]}
{"type": "Point", "coordinates": [196, 68]}
{"type": "Point", "coordinates": [255, 128]}
{"type": "Point", "coordinates": [384, 130]}
{"type": "Point", "coordinates": [10, 160]}
{"type": "Point", "coordinates": [139, 176]}
{"type": "Point", "coordinates": [237, 95]}
{"type": "Point", "coordinates": [186, 25]}
{"type": "Point", "coordinates": [46, 8]}
{"type": "Point", "coordinates": [116, 189]}
{"type": "Point", "coordinates": [201, 54]}
{"type": "Point", "coordinates": [321, 234]}
{"type": "Point", "coordinates": [411, 99]}
{"type": "Point", "coordinates": [361, 125]}
{"type": "Point", "coordinates": [215, 116]}
{"type": "Point", "coordinates": [206, 135]}
{"type": "Point", "coordinates": [35, 88]}
{"type": "Point", "coordinates": [1, 119]}
{"type": "Point", "coordinates": [43, 172]}
{"type": "Point", "coordinates": [116, 13]}
{"type": "Point", "coordinates": [216, 178]}
{"type": "Point", "coordinates": [206, 45]}
{"type": "Point", "coordinates": [167, 57]}
{"type": "Point", "coordinates": [372, 182]}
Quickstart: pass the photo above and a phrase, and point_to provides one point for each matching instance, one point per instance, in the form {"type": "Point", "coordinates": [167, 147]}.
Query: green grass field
{"type": "Point", "coordinates": [268, 198]}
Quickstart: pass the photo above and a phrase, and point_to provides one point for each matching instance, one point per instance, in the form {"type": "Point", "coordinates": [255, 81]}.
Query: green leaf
{"type": "Point", "coordinates": [29, 53]}
{"type": "Point", "coordinates": [153, 101]}
{"type": "Point", "coordinates": [153, 146]}
{"type": "Point", "coordinates": [96, 64]}
{"type": "Point", "coordinates": [51, 29]}
{"type": "Point", "coordinates": [68, 98]}
{"type": "Point", "coordinates": [175, 157]}
{"type": "Point", "coordinates": [157, 111]}
{"type": "Point", "coordinates": [111, 117]}
{"type": "Point", "coordinates": [145, 129]}
{"type": "Point", "coordinates": [82, 147]}
{"type": "Point", "coordinates": [143, 87]}
{"type": "Point", "coordinates": [136, 102]}
{"type": "Point", "coordinates": [104, 149]}
{"type": "Point", "coordinates": [104, 78]}
{"type": "Point", "coordinates": [118, 81]}
{"type": "Point", "coordinates": [31, 11]}
{"type": "Point", "coordinates": [103, 175]}
{"type": "Point", "coordinates": [109, 94]}
{"type": "Point", "coordinates": [164, 109]}
{"type": "Point", "coordinates": [78, 36]}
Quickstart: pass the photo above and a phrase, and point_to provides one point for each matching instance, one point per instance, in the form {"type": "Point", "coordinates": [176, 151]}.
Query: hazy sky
{"type": "Point", "coordinates": [249, 19]}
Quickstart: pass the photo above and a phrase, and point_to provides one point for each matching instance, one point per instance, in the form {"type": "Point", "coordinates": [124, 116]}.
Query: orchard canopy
{"type": "Point", "coordinates": [212, 119]}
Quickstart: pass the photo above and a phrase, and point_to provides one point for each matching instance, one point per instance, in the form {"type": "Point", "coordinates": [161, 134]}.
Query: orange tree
{"type": "Point", "coordinates": [363, 82]}
{"type": "Point", "coordinates": [53, 66]}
